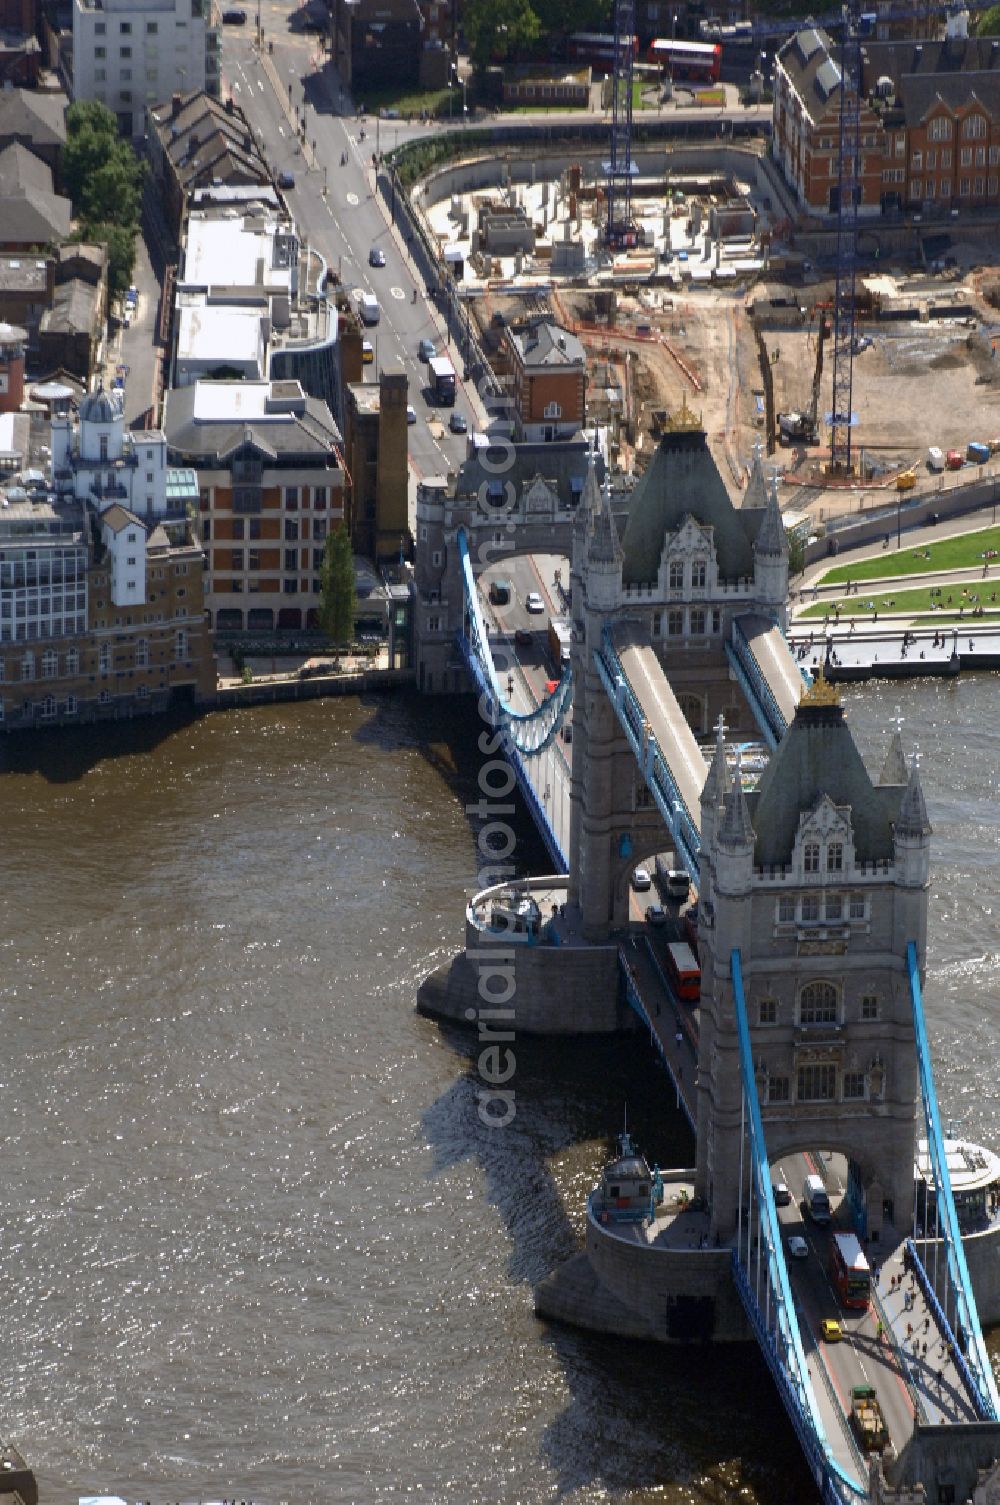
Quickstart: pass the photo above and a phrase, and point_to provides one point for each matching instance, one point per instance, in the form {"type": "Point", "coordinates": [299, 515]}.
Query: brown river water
{"type": "Point", "coordinates": [256, 1241]}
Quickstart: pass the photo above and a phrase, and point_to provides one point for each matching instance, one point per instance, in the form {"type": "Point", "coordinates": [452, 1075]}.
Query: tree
{"type": "Point", "coordinates": [558, 18]}
{"type": "Point", "coordinates": [102, 172]}
{"type": "Point", "coordinates": [120, 241]}
{"type": "Point", "coordinates": [494, 29]}
{"type": "Point", "coordinates": [336, 611]}
{"type": "Point", "coordinates": [796, 552]}
{"type": "Point", "coordinates": [988, 24]}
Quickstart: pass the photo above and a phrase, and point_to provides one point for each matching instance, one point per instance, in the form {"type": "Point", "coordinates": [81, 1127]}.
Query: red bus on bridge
{"type": "Point", "coordinates": [683, 971]}
{"type": "Point", "coordinates": [697, 62]}
{"type": "Point", "coordinates": [850, 1270]}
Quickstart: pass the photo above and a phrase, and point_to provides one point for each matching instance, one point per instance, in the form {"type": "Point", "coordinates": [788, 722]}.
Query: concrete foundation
{"type": "Point", "coordinates": [557, 990]}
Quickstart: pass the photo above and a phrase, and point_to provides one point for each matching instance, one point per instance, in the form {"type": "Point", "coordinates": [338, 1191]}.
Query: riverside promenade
{"type": "Point", "coordinates": [866, 628]}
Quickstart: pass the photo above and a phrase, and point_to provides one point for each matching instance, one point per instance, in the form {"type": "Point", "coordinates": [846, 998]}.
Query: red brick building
{"type": "Point", "coordinates": [548, 378]}
{"type": "Point", "coordinates": [930, 123]}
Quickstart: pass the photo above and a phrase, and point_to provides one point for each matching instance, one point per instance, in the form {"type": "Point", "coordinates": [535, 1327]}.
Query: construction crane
{"type": "Point", "coordinates": [620, 229]}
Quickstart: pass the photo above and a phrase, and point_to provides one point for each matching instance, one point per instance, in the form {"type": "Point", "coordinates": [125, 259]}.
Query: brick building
{"type": "Point", "coordinates": [548, 380]}
{"type": "Point", "coordinates": [271, 483]}
{"type": "Point", "coordinates": [375, 439]}
{"type": "Point", "coordinates": [930, 123]}
{"type": "Point", "coordinates": [197, 142]}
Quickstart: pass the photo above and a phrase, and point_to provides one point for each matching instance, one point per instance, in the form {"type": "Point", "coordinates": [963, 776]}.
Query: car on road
{"type": "Point", "coordinates": [427, 350]}
{"type": "Point", "coordinates": [458, 423]}
{"type": "Point", "coordinates": [235, 16]}
{"type": "Point", "coordinates": [641, 881]}
{"type": "Point", "coordinates": [534, 604]}
{"type": "Point", "coordinates": [367, 352]}
{"type": "Point", "coordinates": [678, 883]}
{"type": "Point", "coordinates": [286, 179]}
{"type": "Point", "coordinates": [132, 297]}
{"type": "Point", "coordinates": [411, 413]}
{"type": "Point", "coordinates": [797, 1246]}
{"type": "Point", "coordinates": [376, 257]}
{"type": "Point", "coordinates": [523, 638]}
{"type": "Point", "coordinates": [831, 1330]}
{"type": "Point", "coordinates": [782, 1196]}
{"type": "Point", "coordinates": [656, 915]}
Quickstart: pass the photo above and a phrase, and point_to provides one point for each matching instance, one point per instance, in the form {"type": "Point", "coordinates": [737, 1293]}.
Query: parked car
{"type": "Point", "coordinates": [534, 604]}
{"type": "Point", "coordinates": [376, 257]}
{"type": "Point", "coordinates": [234, 17]}
{"type": "Point", "coordinates": [641, 880]}
{"type": "Point", "coordinates": [458, 423]}
{"type": "Point", "coordinates": [427, 350]}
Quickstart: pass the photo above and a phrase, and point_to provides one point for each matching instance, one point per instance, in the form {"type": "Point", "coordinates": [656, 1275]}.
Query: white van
{"type": "Point", "coordinates": [935, 458]}
{"type": "Point", "coordinates": [369, 309]}
{"type": "Point", "coordinates": [817, 1203]}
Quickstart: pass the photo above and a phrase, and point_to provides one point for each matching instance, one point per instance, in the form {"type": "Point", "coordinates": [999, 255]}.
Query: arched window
{"type": "Point", "coordinates": [50, 664]}
{"type": "Point", "coordinates": [818, 1003]}
{"type": "Point", "coordinates": [48, 707]}
{"type": "Point", "coordinates": [974, 128]}
{"type": "Point", "coordinates": [73, 661]}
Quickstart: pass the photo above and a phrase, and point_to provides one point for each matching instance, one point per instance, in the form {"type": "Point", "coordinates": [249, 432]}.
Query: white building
{"type": "Point", "coordinates": [99, 462]}
{"type": "Point", "coordinates": [131, 54]}
{"type": "Point", "coordinates": [124, 537]}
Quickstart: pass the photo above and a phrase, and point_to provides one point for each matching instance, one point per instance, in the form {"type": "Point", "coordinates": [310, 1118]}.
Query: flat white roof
{"type": "Point", "coordinates": [225, 251]}
{"type": "Point", "coordinates": [219, 334]}
{"type": "Point", "coordinates": [215, 401]}
{"type": "Point", "coordinates": [970, 1166]}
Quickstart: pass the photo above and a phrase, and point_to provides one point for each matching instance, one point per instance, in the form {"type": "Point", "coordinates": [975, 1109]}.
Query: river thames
{"type": "Point", "coordinates": [257, 1242]}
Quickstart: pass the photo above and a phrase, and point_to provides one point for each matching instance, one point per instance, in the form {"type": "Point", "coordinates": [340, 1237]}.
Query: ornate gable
{"type": "Point", "coordinates": [824, 843]}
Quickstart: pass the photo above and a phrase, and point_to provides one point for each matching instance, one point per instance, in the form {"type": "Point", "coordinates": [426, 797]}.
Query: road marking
{"type": "Point", "coordinates": [397, 292]}
{"type": "Point", "coordinates": [353, 199]}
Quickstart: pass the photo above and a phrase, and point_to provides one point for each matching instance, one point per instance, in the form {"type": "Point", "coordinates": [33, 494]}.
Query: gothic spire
{"type": "Point", "coordinates": [604, 546]}
{"type": "Point", "coordinates": [718, 782]}
{"type": "Point", "coordinates": [736, 829]}
{"type": "Point", "coordinates": [771, 539]}
{"type": "Point", "coordinates": [755, 495]}
{"type": "Point", "coordinates": [912, 820]}
{"type": "Point", "coordinates": [894, 770]}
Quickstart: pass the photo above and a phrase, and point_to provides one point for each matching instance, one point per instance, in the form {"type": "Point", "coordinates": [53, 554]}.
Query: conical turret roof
{"type": "Point", "coordinates": [718, 781]}
{"type": "Point", "coordinates": [913, 819]}
{"type": "Point", "coordinates": [772, 538]}
{"type": "Point", "coordinates": [755, 495]}
{"type": "Point", "coordinates": [604, 546]}
{"type": "Point", "coordinates": [736, 829]}
{"type": "Point", "coordinates": [894, 770]}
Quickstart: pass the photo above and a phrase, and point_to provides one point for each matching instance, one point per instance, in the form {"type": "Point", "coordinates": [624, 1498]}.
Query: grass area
{"type": "Point", "coordinates": [958, 553]}
{"type": "Point", "coordinates": [936, 602]}
{"type": "Point", "coordinates": [413, 101]}
{"type": "Point", "coordinates": [711, 98]}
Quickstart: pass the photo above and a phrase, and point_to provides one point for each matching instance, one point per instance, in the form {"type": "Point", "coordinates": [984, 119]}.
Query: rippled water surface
{"type": "Point", "coordinates": [255, 1239]}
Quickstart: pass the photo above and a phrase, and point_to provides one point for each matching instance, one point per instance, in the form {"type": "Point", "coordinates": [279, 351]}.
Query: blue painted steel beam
{"type": "Point", "coordinates": [985, 1394]}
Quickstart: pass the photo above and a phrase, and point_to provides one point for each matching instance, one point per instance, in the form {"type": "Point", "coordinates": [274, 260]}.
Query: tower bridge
{"type": "Point", "coordinates": [808, 1035]}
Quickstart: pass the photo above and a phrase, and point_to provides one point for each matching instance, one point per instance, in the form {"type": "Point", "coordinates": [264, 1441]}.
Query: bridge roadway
{"type": "Point", "coordinates": [769, 647]}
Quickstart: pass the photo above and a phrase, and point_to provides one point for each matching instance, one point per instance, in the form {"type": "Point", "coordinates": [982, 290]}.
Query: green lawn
{"type": "Point", "coordinates": [413, 101]}
{"type": "Point", "coordinates": [958, 553]}
{"type": "Point", "coordinates": [913, 602]}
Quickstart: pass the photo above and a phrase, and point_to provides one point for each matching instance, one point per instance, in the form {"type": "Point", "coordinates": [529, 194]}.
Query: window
{"type": "Point", "coordinates": [238, 526]}
{"type": "Point", "coordinates": [716, 619]}
{"type": "Point", "coordinates": [817, 1083]}
{"type": "Point", "coordinates": [939, 129]}
{"type": "Point", "coordinates": [974, 128]}
{"type": "Point", "coordinates": [50, 664]}
{"type": "Point", "coordinates": [152, 27]}
{"type": "Point", "coordinates": [28, 666]}
{"type": "Point", "coordinates": [916, 188]}
{"type": "Point", "coordinates": [290, 587]}
{"type": "Point", "coordinates": [834, 907]}
{"type": "Point", "coordinates": [676, 575]}
{"type": "Point", "coordinates": [699, 571]}
{"type": "Point", "coordinates": [778, 1089]}
{"type": "Point", "coordinates": [143, 692]}
{"type": "Point", "coordinates": [854, 1085]}
{"type": "Point", "coordinates": [73, 661]}
{"type": "Point", "coordinates": [291, 559]}
{"type": "Point", "coordinates": [253, 559]}
{"type": "Point", "coordinates": [993, 186]}
{"type": "Point", "coordinates": [980, 156]}
{"type": "Point", "coordinates": [126, 75]}
{"type": "Point", "coordinates": [552, 410]}
{"type": "Point", "coordinates": [964, 189]}
{"type": "Point", "coordinates": [433, 624]}
{"type": "Point", "coordinates": [931, 188]}
{"type": "Point", "coordinates": [292, 498]}
{"type": "Point", "coordinates": [675, 624]}
{"type": "Point", "coordinates": [100, 52]}
{"type": "Point", "coordinates": [835, 857]}
{"type": "Point", "coordinates": [291, 530]}
{"type": "Point", "coordinates": [916, 161]}
{"type": "Point", "coordinates": [48, 707]}
{"type": "Point", "coordinates": [253, 530]}
{"type": "Point", "coordinates": [126, 96]}
{"type": "Point", "coordinates": [767, 1011]}
{"type": "Point", "coordinates": [899, 146]}
{"type": "Point", "coordinates": [71, 705]}
{"type": "Point", "coordinates": [965, 157]}
{"type": "Point", "coordinates": [181, 644]}
{"type": "Point", "coordinates": [977, 187]}
{"type": "Point", "coordinates": [810, 856]}
{"type": "Point", "coordinates": [104, 446]}
{"type": "Point", "coordinates": [859, 909]}
{"type": "Point", "coordinates": [810, 909]}
{"type": "Point", "coordinates": [236, 559]}
{"type": "Point", "coordinates": [319, 496]}
{"type": "Point", "coordinates": [125, 27]}
{"type": "Point", "coordinates": [100, 74]}
{"type": "Point", "coordinates": [104, 658]}
{"type": "Point", "coordinates": [946, 158]}
{"type": "Point", "coordinates": [869, 1006]}
{"type": "Point", "coordinates": [125, 52]}
{"type": "Point", "coordinates": [698, 620]}
{"type": "Point", "coordinates": [931, 160]}
{"type": "Point", "coordinates": [786, 910]}
{"type": "Point", "coordinates": [818, 1003]}
{"type": "Point", "coordinates": [99, 29]}
{"type": "Point", "coordinates": [141, 654]}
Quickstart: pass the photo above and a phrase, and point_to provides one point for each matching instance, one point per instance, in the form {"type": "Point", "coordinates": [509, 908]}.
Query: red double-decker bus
{"type": "Point", "coordinates": [597, 48]}
{"type": "Point", "coordinates": [850, 1271]}
{"type": "Point", "coordinates": [698, 62]}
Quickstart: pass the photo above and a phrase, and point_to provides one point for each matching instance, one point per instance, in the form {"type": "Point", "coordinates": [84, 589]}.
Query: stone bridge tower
{"type": "Point", "coordinates": [820, 878]}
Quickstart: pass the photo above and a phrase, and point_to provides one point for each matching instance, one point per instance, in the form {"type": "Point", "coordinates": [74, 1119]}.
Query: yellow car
{"type": "Point", "coordinates": [831, 1330]}
{"type": "Point", "coordinates": [906, 480]}
{"type": "Point", "coordinates": [367, 353]}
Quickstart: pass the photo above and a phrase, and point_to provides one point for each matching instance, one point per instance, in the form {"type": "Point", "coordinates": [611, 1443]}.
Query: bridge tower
{"type": "Point", "coordinates": [820, 878]}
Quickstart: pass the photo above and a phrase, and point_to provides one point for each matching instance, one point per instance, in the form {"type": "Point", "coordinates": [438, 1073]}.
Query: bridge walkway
{"type": "Point", "coordinates": [767, 671]}
{"type": "Point", "coordinates": [668, 725]}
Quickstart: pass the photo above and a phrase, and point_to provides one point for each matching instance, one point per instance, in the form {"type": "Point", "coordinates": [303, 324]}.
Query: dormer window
{"type": "Point", "coordinates": [699, 572]}
{"type": "Point", "coordinates": [676, 575]}
{"type": "Point", "coordinates": [835, 857]}
{"type": "Point", "coordinates": [810, 857]}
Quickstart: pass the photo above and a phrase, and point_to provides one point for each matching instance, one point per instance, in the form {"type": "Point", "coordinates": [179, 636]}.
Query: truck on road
{"type": "Point", "coordinates": [368, 307]}
{"type": "Point", "coordinates": [442, 375]}
{"type": "Point", "coordinates": [867, 1419]}
{"type": "Point", "coordinates": [560, 642]}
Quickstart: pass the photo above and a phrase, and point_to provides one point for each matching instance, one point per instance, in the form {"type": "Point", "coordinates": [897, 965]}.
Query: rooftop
{"type": "Point", "coordinates": [235, 249]}
{"type": "Point", "coordinates": [545, 344]}
{"type": "Point", "coordinates": [219, 333]}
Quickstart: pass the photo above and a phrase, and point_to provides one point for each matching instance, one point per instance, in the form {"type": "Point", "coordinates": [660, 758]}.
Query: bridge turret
{"type": "Point", "coordinates": [912, 844]}
{"type": "Point", "coordinates": [770, 559]}
{"type": "Point", "coordinates": [604, 559]}
{"type": "Point", "coordinates": [756, 493]}
{"type": "Point", "coordinates": [713, 795]}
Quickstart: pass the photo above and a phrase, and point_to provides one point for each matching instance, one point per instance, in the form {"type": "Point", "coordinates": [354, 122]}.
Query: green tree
{"type": "Point", "coordinates": [988, 24]}
{"type": "Point", "coordinates": [103, 175]}
{"type": "Point", "coordinates": [494, 29]}
{"type": "Point", "coordinates": [796, 552]}
{"type": "Point", "coordinates": [336, 611]}
{"type": "Point", "coordinates": [120, 241]}
{"type": "Point", "coordinates": [558, 18]}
